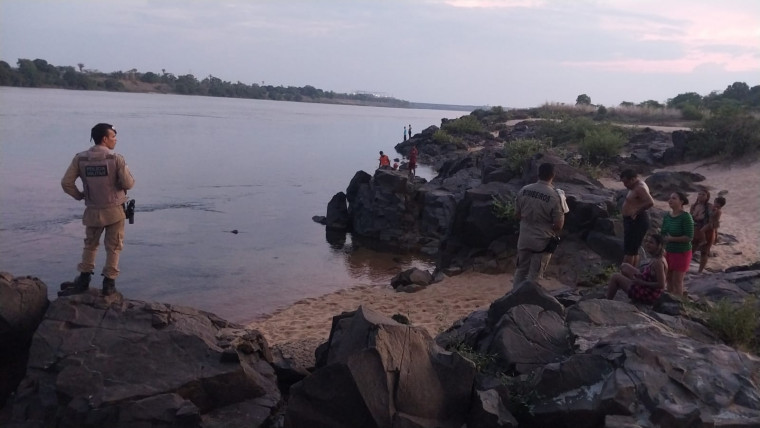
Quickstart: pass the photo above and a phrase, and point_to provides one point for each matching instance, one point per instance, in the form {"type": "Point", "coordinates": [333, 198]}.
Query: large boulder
{"type": "Point", "coordinates": [376, 372]}
{"type": "Point", "coordinates": [384, 209]}
{"type": "Point", "coordinates": [337, 217]}
{"type": "Point", "coordinates": [663, 183]}
{"type": "Point", "coordinates": [113, 362]}
{"type": "Point", "coordinates": [476, 223]}
{"type": "Point", "coordinates": [23, 302]}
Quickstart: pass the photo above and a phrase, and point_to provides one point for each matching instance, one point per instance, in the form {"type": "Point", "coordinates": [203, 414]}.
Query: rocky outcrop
{"type": "Point", "coordinates": [379, 373]}
{"type": "Point", "coordinates": [113, 362]}
{"type": "Point", "coordinates": [23, 302]}
{"type": "Point", "coordinates": [530, 361]}
{"type": "Point", "coordinates": [662, 184]}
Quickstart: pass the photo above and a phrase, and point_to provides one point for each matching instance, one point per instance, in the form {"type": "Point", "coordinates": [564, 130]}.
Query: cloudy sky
{"type": "Point", "coordinates": [513, 53]}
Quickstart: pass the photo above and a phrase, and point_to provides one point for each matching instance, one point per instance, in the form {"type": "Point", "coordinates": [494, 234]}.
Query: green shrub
{"type": "Point", "coordinates": [601, 144]}
{"type": "Point", "coordinates": [480, 359]}
{"type": "Point", "coordinates": [730, 132]}
{"type": "Point", "coordinates": [443, 138]}
{"type": "Point", "coordinates": [736, 325]}
{"type": "Point", "coordinates": [518, 152]}
{"type": "Point", "coordinates": [566, 131]}
{"type": "Point", "coordinates": [691, 112]}
{"type": "Point", "coordinates": [464, 125]}
{"type": "Point", "coordinates": [503, 209]}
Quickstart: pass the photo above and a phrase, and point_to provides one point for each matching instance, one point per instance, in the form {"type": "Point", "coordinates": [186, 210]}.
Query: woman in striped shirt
{"type": "Point", "coordinates": [677, 231]}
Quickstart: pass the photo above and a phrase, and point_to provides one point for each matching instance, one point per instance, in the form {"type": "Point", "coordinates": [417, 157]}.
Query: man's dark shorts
{"type": "Point", "coordinates": [634, 231]}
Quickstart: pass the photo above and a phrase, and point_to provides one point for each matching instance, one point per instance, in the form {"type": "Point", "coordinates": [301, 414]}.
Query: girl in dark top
{"type": "Point", "coordinates": [677, 231]}
{"type": "Point", "coordinates": [644, 285]}
{"type": "Point", "coordinates": [700, 212]}
{"type": "Point", "coordinates": [711, 231]}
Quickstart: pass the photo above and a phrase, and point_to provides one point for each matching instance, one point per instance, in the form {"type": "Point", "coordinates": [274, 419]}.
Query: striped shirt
{"type": "Point", "coordinates": [681, 225]}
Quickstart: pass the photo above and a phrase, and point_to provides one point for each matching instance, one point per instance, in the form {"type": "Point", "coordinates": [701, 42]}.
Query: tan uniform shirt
{"type": "Point", "coordinates": [98, 217]}
{"type": "Point", "coordinates": [540, 208]}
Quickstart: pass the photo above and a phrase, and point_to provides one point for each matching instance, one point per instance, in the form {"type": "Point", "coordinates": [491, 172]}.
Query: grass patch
{"type": "Point", "coordinates": [737, 325]}
{"type": "Point", "coordinates": [464, 125]}
{"type": "Point", "coordinates": [503, 209]}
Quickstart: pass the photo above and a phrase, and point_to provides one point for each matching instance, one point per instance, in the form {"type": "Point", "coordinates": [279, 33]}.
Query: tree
{"type": "Point", "coordinates": [651, 104]}
{"type": "Point", "coordinates": [680, 100]}
{"type": "Point", "coordinates": [738, 91]}
{"type": "Point", "coordinates": [583, 100]}
{"type": "Point", "coordinates": [81, 66]}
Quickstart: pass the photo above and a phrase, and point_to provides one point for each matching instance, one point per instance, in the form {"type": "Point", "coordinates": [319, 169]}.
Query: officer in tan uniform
{"type": "Point", "coordinates": [539, 208]}
{"type": "Point", "coordinates": [105, 181]}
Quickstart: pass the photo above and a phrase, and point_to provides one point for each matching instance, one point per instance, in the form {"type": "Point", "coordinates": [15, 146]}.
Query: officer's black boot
{"type": "Point", "coordinates": [80, 285]}
{"type": "Point", "coordinates": [109, 286]}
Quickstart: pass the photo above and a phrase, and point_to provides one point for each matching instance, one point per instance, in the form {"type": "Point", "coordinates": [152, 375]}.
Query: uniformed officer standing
{"type": "Point", "coordinates": [539, 208]}
{"type": "Point", "coordinates": [105, 181]}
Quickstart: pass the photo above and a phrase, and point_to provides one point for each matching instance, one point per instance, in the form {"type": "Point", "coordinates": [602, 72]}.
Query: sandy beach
{"type": "Point", "coordinates": [439, 305]}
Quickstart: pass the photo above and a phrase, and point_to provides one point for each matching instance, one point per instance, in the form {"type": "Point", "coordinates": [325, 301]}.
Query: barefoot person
{"type": "Point", "coordinates": [710, 231]}
{"type": "Point", "coordinates": [105, 181]}
{"type": "Point", "coordinates": [678, 231]}
{"type": "Point", "coordinates": [635, 216]}
{"type": "Point", "coordinates": [646, 284]}
{"type": "Point", "coordinates": [700, 212]}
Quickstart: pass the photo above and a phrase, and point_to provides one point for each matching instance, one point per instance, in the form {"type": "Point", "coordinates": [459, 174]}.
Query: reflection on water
{"type": "Point", "coordinates": [369, 262]}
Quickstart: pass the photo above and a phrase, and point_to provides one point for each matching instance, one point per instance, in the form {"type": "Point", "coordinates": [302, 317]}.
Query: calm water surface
{"type": "Point", "coordinates": [203, 167]}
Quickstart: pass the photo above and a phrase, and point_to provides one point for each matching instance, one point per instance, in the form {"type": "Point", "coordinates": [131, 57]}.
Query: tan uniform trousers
{"type": "Point", "coordinates": [114, 243]}
{"type": "Point", "coordinates": [530, 266]}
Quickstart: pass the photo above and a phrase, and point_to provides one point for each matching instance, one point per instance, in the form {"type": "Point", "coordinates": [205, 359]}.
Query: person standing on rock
{"type": "Point", "coordinates": [105, 181]}
{"type": "Point", "coordinates": [635, 215]}
{"type": "Point", "coordinates": [539, 209]}
{"type": "Point", "coordinates": [413, 161]}
{"type": "Point", "coordinates": [385, 161]}
{"type": "Point", "coordinates": [677, 231]}
{"type": "Point", "coordinates": [404, 133]}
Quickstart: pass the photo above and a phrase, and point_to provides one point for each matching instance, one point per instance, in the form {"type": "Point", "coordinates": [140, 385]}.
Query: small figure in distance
{"type": "Point", "coordinates": [635, 215]}
{"type": "Point", "coordinates": [413, 161]}
{"type": "Point", "coordinates": [395, 164]}
{"type": "Point", "coordinates": [711, 232]}
{"type": "Point", "coordinates": [644, 285]}
{"type": "Point", "coordinates": [105, 180]}
{"type": "Point", "coordinates": [410, 131]}
{"type": "Point", "coordinates": [404, 133]}
{"type": "Point", "coordinates": [384, 160]}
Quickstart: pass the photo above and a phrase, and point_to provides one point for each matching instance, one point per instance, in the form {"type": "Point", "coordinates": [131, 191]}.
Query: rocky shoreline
{"type": "Point", "coordinates": [532, 358]}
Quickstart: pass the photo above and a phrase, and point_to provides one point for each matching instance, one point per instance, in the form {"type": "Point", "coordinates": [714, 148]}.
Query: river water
{"type": "Point", "coordinates": [203, 167]}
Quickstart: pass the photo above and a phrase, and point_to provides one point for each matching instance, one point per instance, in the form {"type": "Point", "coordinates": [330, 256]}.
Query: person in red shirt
{"type": "Point", "coordinates": [413, 161]}
{"type": "Point", "coordinates": [384, 160]}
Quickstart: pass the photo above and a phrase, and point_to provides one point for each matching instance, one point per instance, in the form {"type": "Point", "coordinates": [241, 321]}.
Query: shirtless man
{"type": "Point", "coordinates": [635, 216]}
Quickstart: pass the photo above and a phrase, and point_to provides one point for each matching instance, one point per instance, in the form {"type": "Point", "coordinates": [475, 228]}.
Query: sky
{"type": "Point", "coordinates": [511, 53]}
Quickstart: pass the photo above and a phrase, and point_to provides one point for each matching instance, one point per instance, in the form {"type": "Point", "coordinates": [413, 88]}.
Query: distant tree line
{"type": "Point", "coordinates": [39, 73]}
{"type": "Point", "coordinates": [737, 96]}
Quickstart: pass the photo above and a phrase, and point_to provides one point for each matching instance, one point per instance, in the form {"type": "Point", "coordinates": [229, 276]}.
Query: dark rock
{"type": "Point", "coordinates": [23, 302]}
{"type": "Point", "coordinates": [525, 293]}
{"type": "Point", "coordinates": [411, 276]}
{"type": "Point", "coordinates": [528, 337]}
{"type": "Point", "coordinates": [107, 361]}
{"type": "Point", "coordinates": [662, 184]}
{"type": "Point", "coordinates": [380, 373]}
{"type": "Point", "coordinates": [337, 213]}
